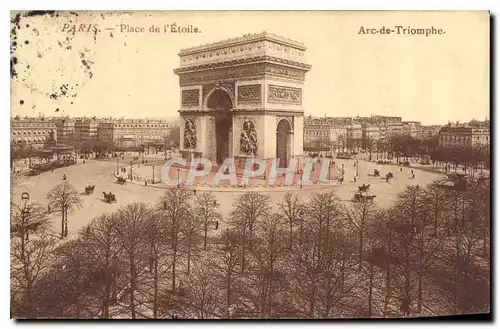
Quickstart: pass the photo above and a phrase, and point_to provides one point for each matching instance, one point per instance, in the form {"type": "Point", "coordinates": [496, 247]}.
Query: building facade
{"type": "Point", "coordinates": [464, 136]}
{"type": "Point", "coordinates": [31, 132]}
{"type": "Point", "coordinates": [65, 128]}
{"type": "Point", "coordinates": [86, 129]}
{"type": "Point", "coordinates": [132, 133]}
{"type": "Point", "coordinates": [412, 128]}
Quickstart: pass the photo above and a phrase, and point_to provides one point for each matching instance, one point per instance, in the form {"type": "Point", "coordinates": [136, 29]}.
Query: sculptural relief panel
{"type": "Point", "coordinates": [282, 94]}
{"type": "Point", "coordinates": [249, 94]}
{"type": "Point", "coordinates": [191, 97]}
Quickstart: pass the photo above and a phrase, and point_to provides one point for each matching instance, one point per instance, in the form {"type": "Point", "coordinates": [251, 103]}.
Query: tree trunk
{"type": "Point", "coordinates": [155, 293]}
{"type": "Point", "coordinates": [132, 286]}
{"type": "Point", "coordinates": [370, 291]}
{"type": "Point", "coordinates": [62, 222]}
{"type": "Point", "coordinates": [206, 232]}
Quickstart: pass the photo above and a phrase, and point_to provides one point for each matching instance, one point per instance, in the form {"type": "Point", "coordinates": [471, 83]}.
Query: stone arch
{"type": "Point", "coordinates": [220, 102]}
{"type": "Point", "coordinates": [216, 88]}
{"type": "Point", "coordinates": [284, 142]}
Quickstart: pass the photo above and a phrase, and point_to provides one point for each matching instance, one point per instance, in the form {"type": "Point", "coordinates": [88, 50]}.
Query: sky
{"type": "Point", "coordinates": [433, 79]}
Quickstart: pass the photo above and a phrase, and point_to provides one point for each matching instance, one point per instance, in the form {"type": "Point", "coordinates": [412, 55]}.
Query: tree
{"type": "Point", "coordinates": [133, 219]}
{"type": "Point", "coordinates": [227, 261]}
{"type": "Point", "coordinates": [29, 264]}
{"type": "Point", "coordinates": [64, 197]}
{"type": "Point", "coordinates": [26, 220]}
{"type": "Point", "coordinates": [290, 211]}
{"type": "Point", "coordinates": [207, 209]}
{"type": "Point", "coordinates": [248, 209]}
{"type": "Point", "coordinates": [175, 209]}
{"type": "Point", "coordinates": [359, 216]}
{"type": "Point", "coordinates": [101, 244]}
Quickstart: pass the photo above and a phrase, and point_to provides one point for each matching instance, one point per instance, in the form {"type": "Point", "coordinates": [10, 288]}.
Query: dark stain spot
{"type": "Point", "coordinates": [27, 25]}
{"type": "Point", "coordinates": [39, 55]}
{"type": "Point", "coordinates": [40, 13]}
{"type": "Point", "coordinates": [26, 42]}
{"type": "Point", "coordinates": [73, 13]}
{"type": "Point", "coordinates": [21, 102]}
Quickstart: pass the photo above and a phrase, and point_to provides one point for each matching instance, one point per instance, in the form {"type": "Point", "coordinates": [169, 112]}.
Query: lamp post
{"type": "Point", "coordinates": [178, 182]}
{"type": "Point", "coordinates": [357, 168]}
{"type": "Point", "coordinates": [301, 175]}
{"type": "Point", "coordinates": [153, 180]}
{"type": "Point", "coordinates": [117, 166]}
{"type": "Point", "coordinates": [24, 212]}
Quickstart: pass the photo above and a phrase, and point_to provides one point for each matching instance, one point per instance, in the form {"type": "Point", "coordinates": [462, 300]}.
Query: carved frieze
{"type": "Point", "coordinates": [284, 71]}
{"type": "Point", "coordinates": [281, 94]}
{"type": "Point", "coordinates": [249, 94]}
{"type": "Point", "coordinates": [242, 71]}
{"type": "Point", "coordinates": [189, 134]}
{"type": "Point", "coordinates": [248, 138]}
{"type": "Point", "coordinates": [191, 97]}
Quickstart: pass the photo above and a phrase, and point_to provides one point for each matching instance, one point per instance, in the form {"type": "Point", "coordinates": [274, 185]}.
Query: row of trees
{"type": "Point", "coordinates": [428, 254]}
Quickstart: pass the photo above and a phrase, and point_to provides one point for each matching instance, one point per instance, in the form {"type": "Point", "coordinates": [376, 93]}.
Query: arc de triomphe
{"type": "Point", "coordinates": [242, 98]}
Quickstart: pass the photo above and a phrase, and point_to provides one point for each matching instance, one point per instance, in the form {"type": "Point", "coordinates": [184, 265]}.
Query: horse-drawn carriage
{"type": "Point", "coordinates": [89, 189]}
{"type": "Point", "coordinates": [376, 173]}
{"type": "Point", "coordinates": [109, 197]}
{"type": "Point", "coordinates": [121, 180]}
{"type": "Point", "coordinates": [362, 197]}
{"type": "Point", "coordinates": [364, 188]}
{"type": "Point", "coordinates": [389, 175]}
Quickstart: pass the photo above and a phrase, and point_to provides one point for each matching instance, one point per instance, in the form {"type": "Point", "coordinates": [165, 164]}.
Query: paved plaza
{"type": "Point", "coordinates": [101, 174]}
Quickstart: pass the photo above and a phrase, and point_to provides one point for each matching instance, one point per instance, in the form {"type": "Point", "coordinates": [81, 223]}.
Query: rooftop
{"type": "Point", "coordinates": [244, 39]}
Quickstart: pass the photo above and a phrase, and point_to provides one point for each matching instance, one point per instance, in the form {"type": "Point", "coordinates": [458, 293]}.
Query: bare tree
{"type": "Point", "coordinates": [359, 216]}
{"type": "Point", "coordinates": [133, 219]}
{"type": "Point", "coordinates": [248, 210]}
{"type": "Point", "coordinates": [27, 219]}
{"type": "Point", "coordinates": [290, 210]}
{"type": "Point", "coordinates": [100, 241]}
{"type": "Point", "coordinates": [226, 262]}
{"type": "Point", "coordinates": [207, 209]}
{"type": "Point", "coordinates": [176, 210]}
{"type": "Point", "coordinates": [27, 267]}
{"type": "Point", "coordinates": [64, 197]}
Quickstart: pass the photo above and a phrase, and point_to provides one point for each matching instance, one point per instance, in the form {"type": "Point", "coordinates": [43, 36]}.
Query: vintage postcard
{"type": "Point", "coordinates": [250, 165]}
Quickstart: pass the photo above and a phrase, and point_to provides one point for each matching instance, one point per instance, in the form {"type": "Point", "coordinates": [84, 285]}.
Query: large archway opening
{"type": "Point", "coordinates": [221, 104]}
{"type": "Point", "coordinates": [283, 143]}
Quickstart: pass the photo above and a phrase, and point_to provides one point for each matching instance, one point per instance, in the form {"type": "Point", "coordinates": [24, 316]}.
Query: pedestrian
{"type": "Point", "coordinates": [83, 161]}
{"type": "Point", "coordinates": [216, 225]}
{"type": "Point", "coordinates": [413, 176]}
{"type": "Point", "coordinates": [412, 171]}
{"type": "Point", "coordinates": [48, 208]}
{"type": "Point", "coordinates": [401, 169]}
{"type": "Point", "coordinates": [194, 191]}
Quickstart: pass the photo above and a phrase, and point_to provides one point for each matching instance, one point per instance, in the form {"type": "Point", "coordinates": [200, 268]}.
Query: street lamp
{"type": "Point", "coordinates": [357, 168]}
{"type": "Point", "coordinates": [178, 182]}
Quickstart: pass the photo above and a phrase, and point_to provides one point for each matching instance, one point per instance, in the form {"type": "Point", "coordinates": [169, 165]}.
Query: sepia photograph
{"type": "Point", "coordinates": [222, 165]}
